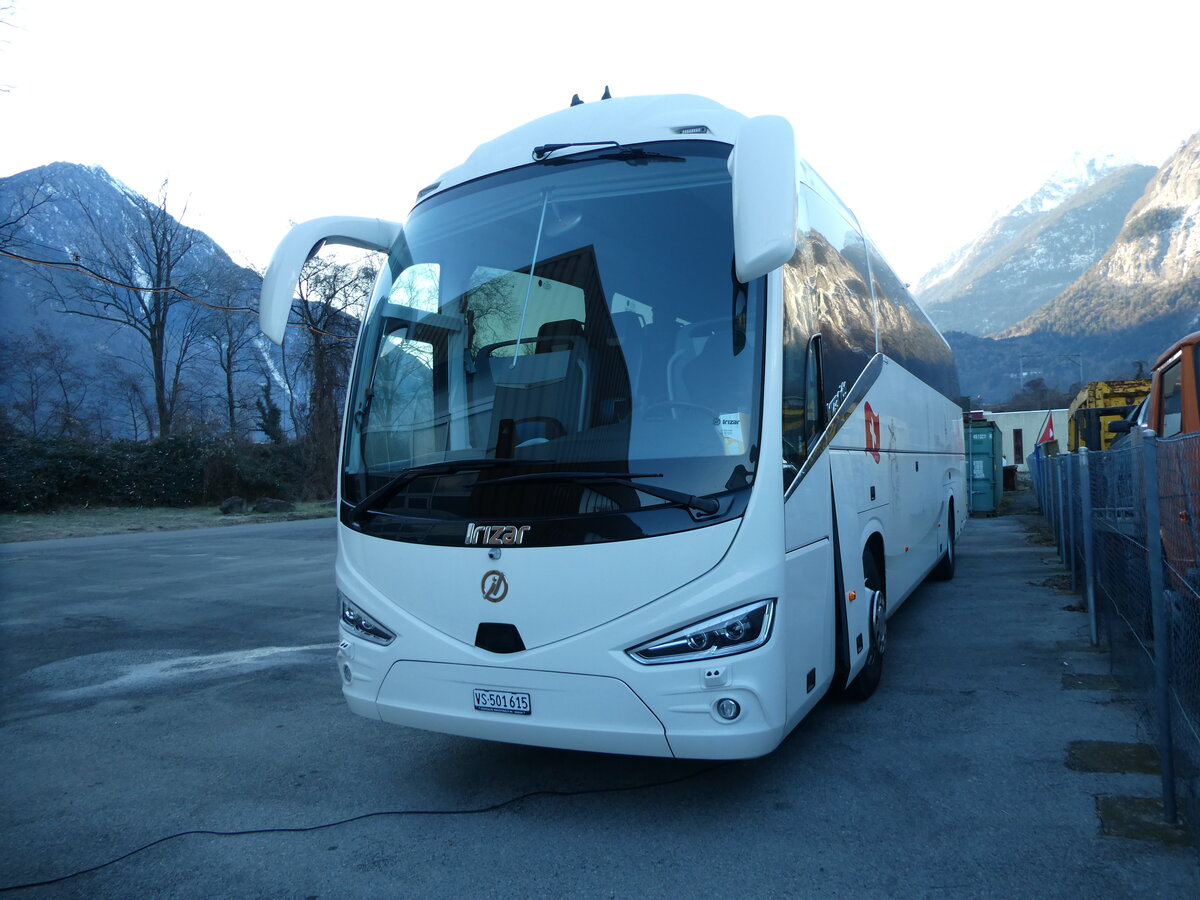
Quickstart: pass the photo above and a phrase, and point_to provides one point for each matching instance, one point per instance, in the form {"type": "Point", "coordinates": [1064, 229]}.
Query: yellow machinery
{"type": "Point", "coordinates": [1098, 404]}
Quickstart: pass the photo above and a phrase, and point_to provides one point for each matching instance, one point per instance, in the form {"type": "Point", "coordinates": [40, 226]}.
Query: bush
{"type": "Point", "coordinates": [1152, 222]}
{"type": "Point", "coordinates": [41, 474]}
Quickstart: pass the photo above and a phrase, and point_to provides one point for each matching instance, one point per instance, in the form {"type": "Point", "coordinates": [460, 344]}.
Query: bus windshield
{"type": "Point", "coordinates": [561, 341]}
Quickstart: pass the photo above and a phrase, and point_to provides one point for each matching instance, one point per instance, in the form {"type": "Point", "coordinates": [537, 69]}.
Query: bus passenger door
{"type": "Point", "coordinates": [808, 578]}
{"type": "Point", "coordinates": [809, 558]}
{"type": "Point", "coordinates": [852, 521]}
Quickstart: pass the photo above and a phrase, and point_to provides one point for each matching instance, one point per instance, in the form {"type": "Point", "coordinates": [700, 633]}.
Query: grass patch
{"type": "Point", "coordinates": [89, 522]}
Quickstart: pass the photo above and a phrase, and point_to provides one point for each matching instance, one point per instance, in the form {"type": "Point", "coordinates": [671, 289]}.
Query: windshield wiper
{"type": "Point", "coordinates": [634, 156]}
{"type": "Point", "coordinates": [542, 151]}
{"type": "Point", "coordinates": [707, 505]}
{"type": "Point", "coordinates": [446, 467]}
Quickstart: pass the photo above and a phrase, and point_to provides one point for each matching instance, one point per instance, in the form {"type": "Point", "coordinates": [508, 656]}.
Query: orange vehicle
{"type": "Point", "coordinates": [1173, 396]}
{"type": "Point", "coordinates": [1173, 410]}
{"type": "Point", "coordinates": [1172, 407]}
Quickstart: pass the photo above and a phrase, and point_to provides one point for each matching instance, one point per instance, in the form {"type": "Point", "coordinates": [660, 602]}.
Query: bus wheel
{"type": "Point", "coordinates": [864, 685]}
{"type": "Point", "coordinates": [944, 570]}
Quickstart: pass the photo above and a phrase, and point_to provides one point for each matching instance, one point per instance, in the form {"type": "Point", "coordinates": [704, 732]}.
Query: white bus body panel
{"type": "Point", "coordinates": [586, 691]}
{"type": "Point", "coordinates": [553, 592]}
{"type": "Point", "coordinates": [902, 491]}
{"type": "Point", "coordinates": [898, 494]}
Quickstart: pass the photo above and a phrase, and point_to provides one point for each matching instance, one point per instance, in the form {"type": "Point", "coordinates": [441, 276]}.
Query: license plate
{"type": "Point", "coordinates": [503, 702]}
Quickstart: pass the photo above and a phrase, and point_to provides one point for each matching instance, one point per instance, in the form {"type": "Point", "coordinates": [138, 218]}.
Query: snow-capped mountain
{"type": "Point", "coordinates": [85, 214]}
{"type": "Point", "coordinates": [70, 234]}
{"type": "Point", "coordinates": [1137, 298]}
{"type": "Point", "coordinates": [1150, 272]}
{"type": "Point", "coordinates": [1032, 252]}
{"type": "Point", "coordinates": [1080, 172]}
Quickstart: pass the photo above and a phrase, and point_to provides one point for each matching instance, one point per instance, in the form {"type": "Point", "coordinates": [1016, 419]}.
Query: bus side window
{"type": "Point", "coordinates": [814, 407]}
{"type": "Point", "coordinates": [795, 342]}
{"type": "Point", "coordinates": [804, 414]}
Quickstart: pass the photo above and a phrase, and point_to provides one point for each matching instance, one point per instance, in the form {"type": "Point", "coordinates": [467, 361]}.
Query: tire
{"type": "Point", "coordinates": [944, 570]}
{"type": "Point", "coordinates": [867, 680]}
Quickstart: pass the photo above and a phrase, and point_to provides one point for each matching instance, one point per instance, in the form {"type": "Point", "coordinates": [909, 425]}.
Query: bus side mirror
{"type": "Point", "coordinates": [765, 203]}
{"type": "Point", "coordinates": [299, 246]}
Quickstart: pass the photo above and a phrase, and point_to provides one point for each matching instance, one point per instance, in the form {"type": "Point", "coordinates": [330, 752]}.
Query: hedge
{"type": "Point", "coordinates": [38, 474]}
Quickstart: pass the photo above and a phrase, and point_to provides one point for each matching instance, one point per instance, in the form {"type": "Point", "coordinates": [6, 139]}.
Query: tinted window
{"type": "Point", "coordinates": [906, 334]}
{"type": "Point", "coordinates": [1172, 400]}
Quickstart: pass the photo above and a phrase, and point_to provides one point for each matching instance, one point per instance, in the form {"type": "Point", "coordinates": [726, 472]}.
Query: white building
{"type": "Point", "coordinates": [1021, 431]}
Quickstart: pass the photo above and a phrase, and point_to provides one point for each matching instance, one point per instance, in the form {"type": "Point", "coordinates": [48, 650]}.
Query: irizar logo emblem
{"type": "Point", "coordinates": [496, 535]}
{"type": "Point", "coordinates": [494, 586]}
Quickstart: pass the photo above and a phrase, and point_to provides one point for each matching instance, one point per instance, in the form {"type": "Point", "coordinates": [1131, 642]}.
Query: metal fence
{"type": "Point", "coordinates": [1127, 524]}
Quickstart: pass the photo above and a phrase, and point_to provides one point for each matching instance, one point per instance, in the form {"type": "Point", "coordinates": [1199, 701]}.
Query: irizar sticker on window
{"type": "Point", "coordinates": [731, 427]}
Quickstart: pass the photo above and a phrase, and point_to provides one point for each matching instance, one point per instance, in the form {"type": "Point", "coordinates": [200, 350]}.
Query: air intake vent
{"type": "Point", "coordinates": [499, 637]}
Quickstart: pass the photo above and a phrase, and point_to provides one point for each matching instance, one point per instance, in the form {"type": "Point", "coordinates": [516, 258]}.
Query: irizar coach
{"type": "Point", "coordinates": [644, 440]}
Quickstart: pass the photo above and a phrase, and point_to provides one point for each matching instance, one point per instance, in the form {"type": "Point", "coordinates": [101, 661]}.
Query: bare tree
{"type": "Point", "coordinates": [332, 297]}
{"type": "Point", "coordinates": [134, 407]}
{"type": "Point", "coordinates": [144, 286]}
{"type": "Point", "coordinates": [20, 212]}
{"type": "Point", "coordinates": [229, 334]}
{"type": "Point", "coordinates": [45, 390]}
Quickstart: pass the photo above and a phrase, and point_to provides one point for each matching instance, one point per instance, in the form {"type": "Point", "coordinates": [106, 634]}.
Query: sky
{"type": "Point", "coordinates": [926, 117]}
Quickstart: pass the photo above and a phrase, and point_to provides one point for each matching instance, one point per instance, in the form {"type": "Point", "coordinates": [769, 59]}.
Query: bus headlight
{"type": "Point", "coordinates": [736, 631]}
{"type": "Point", "coordinates": [361, 625]}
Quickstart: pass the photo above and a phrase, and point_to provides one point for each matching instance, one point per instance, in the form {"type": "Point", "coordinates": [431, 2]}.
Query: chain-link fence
{"type": "Point", "coordinates": [1127, 523]}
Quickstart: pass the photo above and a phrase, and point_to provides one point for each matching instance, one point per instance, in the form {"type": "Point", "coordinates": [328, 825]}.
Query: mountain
{"type": "Point", "coordinates": [69, 234]}
{"type": "Point", "coordinates": [1150, 273]}
{"type": "Point", "coordinates": [1141, 295]}
{"type": "Point", "coordinates": [85, 211]}
{"type": "Point", "coordinates": [1030, 254]}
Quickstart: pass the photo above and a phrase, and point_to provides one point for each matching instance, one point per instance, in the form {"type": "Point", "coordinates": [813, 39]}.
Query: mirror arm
{"type": "Point", "coordinates": [299, 246]}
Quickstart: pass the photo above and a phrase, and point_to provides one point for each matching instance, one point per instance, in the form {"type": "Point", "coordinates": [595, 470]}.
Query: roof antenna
{"type": "Point", "coordinates": [575, 101]}
{"type": "Point", "coordinates": [607, 95]}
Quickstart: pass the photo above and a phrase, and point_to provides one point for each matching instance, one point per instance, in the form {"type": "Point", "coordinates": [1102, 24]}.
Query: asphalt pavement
{"type": "Point", "coordinates": [172, 726]}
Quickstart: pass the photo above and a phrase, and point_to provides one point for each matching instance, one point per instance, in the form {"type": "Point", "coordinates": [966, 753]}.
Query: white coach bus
{"type": "Point", "coordinates": [644, 440]}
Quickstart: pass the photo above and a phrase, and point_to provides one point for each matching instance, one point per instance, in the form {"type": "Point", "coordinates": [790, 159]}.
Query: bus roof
{"type": "Point", "coordinates": [625, 120]}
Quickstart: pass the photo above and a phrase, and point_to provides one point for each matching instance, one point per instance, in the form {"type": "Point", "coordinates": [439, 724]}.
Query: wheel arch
{"type": "Point", "coordinates": [875, 547]}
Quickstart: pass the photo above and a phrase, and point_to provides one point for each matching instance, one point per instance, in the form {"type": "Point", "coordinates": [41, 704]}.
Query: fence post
{"type": "Point", "coordinates": [1051, 497]}
{"type": "Point", "coordinates": [1089, 574]}
{"type": "Point", "coordinates": [1158, 619]}
{"type": "Point", "coordinates": [1070, 517]}
{"type": "Point", "coordinates": [1060, 496]}
{"type": "Point", "coordinates": [1039, 486]}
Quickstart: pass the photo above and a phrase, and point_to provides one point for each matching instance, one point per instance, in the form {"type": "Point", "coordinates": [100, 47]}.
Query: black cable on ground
{"type": "Point", "coordinates": [495, 807]}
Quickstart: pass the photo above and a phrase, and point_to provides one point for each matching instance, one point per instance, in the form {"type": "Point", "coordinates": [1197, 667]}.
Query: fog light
{"type": "Point", "coordinates": [346, 674]}
{"type": "Point", "coordinates": [728, 709]}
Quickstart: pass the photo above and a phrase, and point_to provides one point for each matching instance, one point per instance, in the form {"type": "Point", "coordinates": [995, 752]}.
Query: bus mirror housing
{"type": "Point", "coordinates": [765, 202]}
{"type": "Point", "coordinates": [299, 246]}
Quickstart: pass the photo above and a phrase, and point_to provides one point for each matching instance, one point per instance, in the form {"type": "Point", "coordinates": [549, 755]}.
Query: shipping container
{"type": "Point", "coordinates": [985, 467]}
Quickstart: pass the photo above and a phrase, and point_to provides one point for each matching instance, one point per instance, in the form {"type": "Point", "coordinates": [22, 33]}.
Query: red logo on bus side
{"type": "Point", "coordinates": [872, 419]}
